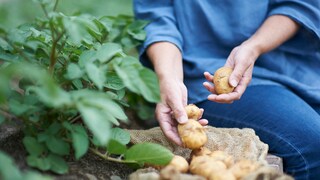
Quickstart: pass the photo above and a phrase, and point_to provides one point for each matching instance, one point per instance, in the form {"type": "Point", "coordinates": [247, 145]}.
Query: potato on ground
{"type": "Point", "coordinates": [244, 167]}
{"type": "Point", "coordinates": [205, 166]}
{"type": "Point", "coordinates": [179, 163]}
{"type": "Point", "coordinates": [202, 151]}
{"type": "Point", "coordinates": [222, 156]}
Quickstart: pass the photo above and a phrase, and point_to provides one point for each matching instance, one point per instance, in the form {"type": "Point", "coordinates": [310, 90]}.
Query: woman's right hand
{"type": "Point", "coordinates": [171, 110]}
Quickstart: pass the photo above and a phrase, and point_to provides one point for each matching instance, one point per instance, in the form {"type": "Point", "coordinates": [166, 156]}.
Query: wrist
{"type": "Point", "coordinates": [255, 47]}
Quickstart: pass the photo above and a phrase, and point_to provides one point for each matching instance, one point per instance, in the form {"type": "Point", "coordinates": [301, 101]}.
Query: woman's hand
{"type": "Point", "coordinates": [241, 59]}
{"type": "Point", "coordinates": [170, 111]}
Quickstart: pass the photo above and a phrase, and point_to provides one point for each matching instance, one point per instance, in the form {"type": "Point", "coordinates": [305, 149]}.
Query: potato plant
{"type": "Point", "coordinates": [65, 80]}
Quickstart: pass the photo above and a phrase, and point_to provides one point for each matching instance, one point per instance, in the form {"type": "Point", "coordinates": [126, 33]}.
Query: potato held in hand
{"type": "Point", "coordinates": [192, 134]}
{"type": "Point", "coordinates": [221, 80]}
{"type": "Point", "coordinates": [193, 112]}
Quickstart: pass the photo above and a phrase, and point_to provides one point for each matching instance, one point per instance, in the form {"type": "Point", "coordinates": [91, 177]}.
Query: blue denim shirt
{"type": "Point", "coordinates": [206, 31]}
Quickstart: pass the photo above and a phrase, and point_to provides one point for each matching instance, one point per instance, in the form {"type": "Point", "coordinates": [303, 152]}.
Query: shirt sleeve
{"type": "Point", "coordinates": [306, 13]}
{"type": "Point", "coordinates": [162, 22]}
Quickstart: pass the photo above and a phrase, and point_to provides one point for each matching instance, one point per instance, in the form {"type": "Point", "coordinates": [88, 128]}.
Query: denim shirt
{"type": "Point", "coordinates": [206, 31]}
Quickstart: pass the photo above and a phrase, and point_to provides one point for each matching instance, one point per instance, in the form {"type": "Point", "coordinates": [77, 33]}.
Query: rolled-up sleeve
{"type": "Point", "coordinates": [306, 13]}
{"type": "Point", "coordinates": [162, 22]}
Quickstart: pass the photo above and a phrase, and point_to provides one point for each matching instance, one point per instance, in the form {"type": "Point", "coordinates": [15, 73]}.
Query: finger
{"type": "Point", "coordinates": [201, 112]}
{"type": "Point", "coordinates": [223, 98]}
{"type": "Point", "coordinates": [243, 84]}
{"type": "Point", "coordinates": [184, 96]}
{"type": "Point", "coordinates": [230, 61]}
{"type": "Point", "coordinates": [179, 112]}
{"type": "Point", "coordinates": [170, 132]}
{"type": "Point", "coordinates": [203, 122]}
{"type": "Point", "coordinates": [208, 76]}
{"type": "Point", "coordinates": [237, 74]}
{"type": "Point", "coordinates": [209, 87]}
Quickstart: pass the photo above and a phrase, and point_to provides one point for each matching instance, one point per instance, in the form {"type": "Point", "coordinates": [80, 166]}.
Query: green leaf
{"type": "Point", "coordinates": [139, 79]}
{"type": "Point", "coordinates": [54, 128]}
{"type": "Point", "coordinates": [73, 71]}
{"type": "Point", "coordinates": [150, 86]}
{"type": "Point", "coordinates": [52, 96]}
{"type": "Point", "coordinates": [77, 83]}
{"type": "Point", "coordinates": [8, 170]}
{"type": "Point", "coordinates": [113, 81]}
{"type": "Point", "coordinates": [38, 162]}
{"type": "Point", "coordinates": [96, 121]}
{"type": "Point", "coordinates": [58, 164]}
{"type": "Point", "coordinates": [58, 146]}
{"type": "Point", "coordinates": [120, 135]}
{"type": "Point", "coordinates": [30, 175]}
{"type": "Point", "coordinates": [149, 153]}
{"type": "Point", "coordinates": [76, 29]}
{"type": "Point", "coordinates": [115, 147]}
{"type": "Point", "coordinates": [96, 75]}
{"type": "Point", "coordinates": [18, 108]}
{"type": "Point", "coordinates": [107, 51]}
{"type": "Point", "coordinates": [33, 146]}
{"type": "Point", "coordinates": [86, 57]}
{"type": "Point", "coordinates": [80, 140]}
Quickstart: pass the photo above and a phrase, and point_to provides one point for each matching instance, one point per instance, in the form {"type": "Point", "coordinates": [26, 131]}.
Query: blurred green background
{"type": "Point", "coordinates": [15, 12]}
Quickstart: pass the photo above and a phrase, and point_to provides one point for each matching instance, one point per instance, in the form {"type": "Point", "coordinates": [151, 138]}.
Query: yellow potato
{"type": "Point", "coordinates": [221, 80]}
{"type": "Point", "coordinates": [179, 163]}
{"type": "Point", "coordinates": [192, 134]}
{"type": "Point", "coordinates": [205, 166]}
{"type": "Point", "coordinates": [243, 168]}
{"type": "Point", "coordinates": [222, 156]}
{"type": "Point", "coordinates": [193, 112]}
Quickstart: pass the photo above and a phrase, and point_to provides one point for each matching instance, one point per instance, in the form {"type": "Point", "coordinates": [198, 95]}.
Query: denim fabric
{"type": "Point", "coordinates": [281, 119]}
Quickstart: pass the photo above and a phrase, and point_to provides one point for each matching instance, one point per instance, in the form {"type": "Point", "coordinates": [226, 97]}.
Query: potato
{"type": "Point", "coordinates": [193, 112]}
{"type": "Point", "coordinates": [179, 163]}
{"type": "Point", "coordinates": [221, 80]}
{"type": "Point", "coordinates": [205, 166]}
{"type": "Point", "coordinates": [222, 175]}
{"type": "Point", "coordinates": [192, 134]}
{"type": "Point", "coordinates": [202, 151]}
{"type": "Point", "coordinates": [222, 156]}
{"type": "Point", "coordinates": [243, 167]}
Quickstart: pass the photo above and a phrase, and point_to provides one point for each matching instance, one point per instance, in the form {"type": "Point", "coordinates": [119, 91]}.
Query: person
{"type": "Point", "coordinates": [273, 47]}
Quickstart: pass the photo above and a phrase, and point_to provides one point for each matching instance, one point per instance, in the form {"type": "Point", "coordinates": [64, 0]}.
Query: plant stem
{"type": "Point", "coordinates": [75, 119]}
{"type": "Point", "coordinates": [56, 5]}
{"type": "Point", "coordinates": [53, 58]}
{"type": "Point", "coordinates": [106, 157]}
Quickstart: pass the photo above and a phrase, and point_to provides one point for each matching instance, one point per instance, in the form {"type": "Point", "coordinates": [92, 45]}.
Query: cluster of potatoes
{"type": "Point", "coordinates": [216, 165]}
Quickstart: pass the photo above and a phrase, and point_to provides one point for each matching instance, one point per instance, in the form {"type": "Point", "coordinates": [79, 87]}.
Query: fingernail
{"type": "Point", "coordinates": [234, 83]}
{"type": "Point", "coordinates": [182, 120]}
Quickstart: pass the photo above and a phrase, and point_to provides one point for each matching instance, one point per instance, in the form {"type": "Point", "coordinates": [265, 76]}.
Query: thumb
{"type": "Point", "coordinates": [180, 114]}
{"type": "Point", "coordinates": [237, 74]}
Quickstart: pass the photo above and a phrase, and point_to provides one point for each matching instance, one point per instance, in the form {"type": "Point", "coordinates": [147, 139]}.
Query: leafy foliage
{"type": "Point", "coordinates": [67, 79]}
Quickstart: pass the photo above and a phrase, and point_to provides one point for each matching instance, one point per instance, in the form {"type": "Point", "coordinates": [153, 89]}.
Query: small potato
{"type": "Point", "coordinates": [205, 166]}
{"type": "Point", "coordinates": [221, 80]}
{"type": "Point", "coordinates": [222, 156]}
{"type": "Point", "coordinates": [222, 175]}
{"type": "Point", "coordinates": [202, 151]}
{"type": "Point", "coordinates": [244, 167]}
{"type": "Point", "coordinates": [193, 112]}
{"type": "Point", "coordinates": [192, 134]}
{"type": "Point", "coordinates": [179, 163]}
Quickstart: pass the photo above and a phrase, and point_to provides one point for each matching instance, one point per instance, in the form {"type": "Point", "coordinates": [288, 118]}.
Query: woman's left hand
{"type": "Point", "coordinates": [241, 59]}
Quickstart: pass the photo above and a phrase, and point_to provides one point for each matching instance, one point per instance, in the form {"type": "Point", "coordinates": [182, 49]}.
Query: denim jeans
{"type": "Point", "coordinates": [281, 119]}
